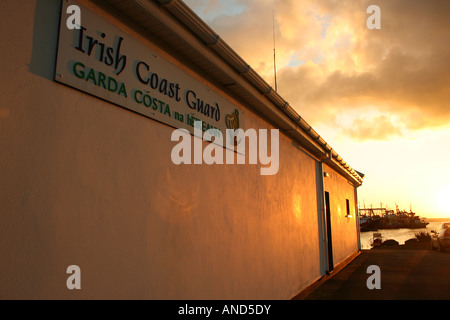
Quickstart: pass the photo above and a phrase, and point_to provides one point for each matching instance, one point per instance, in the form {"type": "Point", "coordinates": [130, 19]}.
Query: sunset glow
{"type": "Point", "coordinates": [442, 200]}
{"type": "Point", "coordinates": [380, 98]}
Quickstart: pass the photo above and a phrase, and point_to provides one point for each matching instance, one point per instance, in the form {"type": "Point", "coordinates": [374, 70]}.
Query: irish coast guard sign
{"type": "Point", "coordinates": [104, 61]}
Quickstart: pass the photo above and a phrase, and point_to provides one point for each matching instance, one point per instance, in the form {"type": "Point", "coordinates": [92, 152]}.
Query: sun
{"type": "Point", "coordinates": [443, 201]}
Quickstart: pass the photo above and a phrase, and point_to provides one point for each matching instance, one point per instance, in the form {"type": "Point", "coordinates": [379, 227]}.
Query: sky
{"type": "Point", "coordinates": [379, 97]}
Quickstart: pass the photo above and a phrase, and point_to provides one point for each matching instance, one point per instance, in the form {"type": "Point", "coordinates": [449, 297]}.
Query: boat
{"type": "Point", "coordinates": [374, 219]}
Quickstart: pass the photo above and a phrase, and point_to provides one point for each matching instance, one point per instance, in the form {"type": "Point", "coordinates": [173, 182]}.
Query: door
{"type": "Point", "coordinates": [329, 238]}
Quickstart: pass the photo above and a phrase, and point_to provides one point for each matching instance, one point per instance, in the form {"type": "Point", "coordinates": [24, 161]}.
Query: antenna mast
{"type": "Point", "coordinates": [274, 50]}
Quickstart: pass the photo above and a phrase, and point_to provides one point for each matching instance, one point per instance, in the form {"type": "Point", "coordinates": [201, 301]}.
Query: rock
{"type": "Point", "coordinates": [390, 242]}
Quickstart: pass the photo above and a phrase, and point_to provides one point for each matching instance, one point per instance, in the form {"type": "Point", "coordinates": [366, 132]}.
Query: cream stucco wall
{"type": "Point", "coordinates": [88, 183]}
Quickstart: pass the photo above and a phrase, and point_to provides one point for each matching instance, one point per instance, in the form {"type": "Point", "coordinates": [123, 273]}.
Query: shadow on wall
{"type": "Point", "coordinates": [45, 38]}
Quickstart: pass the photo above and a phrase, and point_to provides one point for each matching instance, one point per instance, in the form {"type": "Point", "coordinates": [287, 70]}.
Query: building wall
{"type": "Point", "coordinates": [88, 183]}
{"type": "Point", "coordinates": [343, 228]}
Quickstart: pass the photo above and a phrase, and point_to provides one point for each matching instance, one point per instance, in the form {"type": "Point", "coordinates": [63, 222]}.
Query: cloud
{"type": "Point", "coordinates": [376, 128]}
{"type": "Point", "coordinates": [330, 63]}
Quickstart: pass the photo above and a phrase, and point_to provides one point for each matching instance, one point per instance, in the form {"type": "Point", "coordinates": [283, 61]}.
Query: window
{"type": "Point", "coordinates": [347, 202]}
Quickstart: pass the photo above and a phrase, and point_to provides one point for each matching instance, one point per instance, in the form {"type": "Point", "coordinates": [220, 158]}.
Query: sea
{"type": "Point", "coordinates": [400, 235]}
